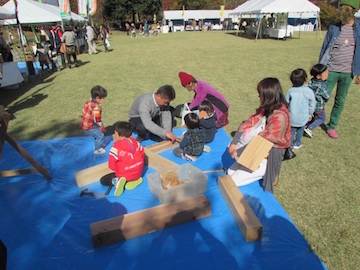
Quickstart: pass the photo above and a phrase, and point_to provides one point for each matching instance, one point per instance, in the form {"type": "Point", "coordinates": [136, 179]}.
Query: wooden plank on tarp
{"type": "Point", "coordinates": [135, 224]}
{"type": "Point", "coordinates": [244, 216]}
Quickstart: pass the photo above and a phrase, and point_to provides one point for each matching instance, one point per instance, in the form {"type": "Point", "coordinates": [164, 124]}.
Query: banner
{"type": "Point", "coordinates": [222, 11]}
{"type": "Point", "coordinates": [82, 7]}
{"type": "Point", "coordinates": [64, 8]}
{"type": "Point", "coordinates": [92, 7]}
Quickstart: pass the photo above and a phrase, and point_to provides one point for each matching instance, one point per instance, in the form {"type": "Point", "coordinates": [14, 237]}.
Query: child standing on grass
{"type": "Point", "coordinates": [126, 158]}
{"type": "Point", "coordinates": [91, 119]}
{"type": "Point", "coordinates": [208, 119]}
{"type": "Point", "coordinates": [192, 144]}
{"type": "Point", "coordinates": [320, 87]}
{"type": "Point", "coordinates": [301, 101]}
{"type": "Point", "coordinates": [42, 52]}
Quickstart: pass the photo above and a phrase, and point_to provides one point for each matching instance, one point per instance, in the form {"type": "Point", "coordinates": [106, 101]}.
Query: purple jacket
{"type": "Point", "coordinates": [204, 91]}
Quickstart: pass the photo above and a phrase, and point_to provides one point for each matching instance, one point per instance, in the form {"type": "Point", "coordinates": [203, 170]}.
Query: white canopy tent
{"type": "Point", "coordinates": [33, 12]}
{"type": "Point", "coordinates": [6, 14]}
{"type": "Point", "coordinates": [262, 7]}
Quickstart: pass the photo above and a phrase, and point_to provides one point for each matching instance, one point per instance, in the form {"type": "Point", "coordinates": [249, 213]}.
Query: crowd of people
{"type": "Point", "coordinates": [280, 118]}
{"type": "Point", "coordinates": [67, 43]}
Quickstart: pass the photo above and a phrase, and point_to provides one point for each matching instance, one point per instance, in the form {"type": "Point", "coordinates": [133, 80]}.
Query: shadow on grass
{"type": "Point", "coordinates": [9, 95]}
{"type": "Point", "coordinates": [57, 129]}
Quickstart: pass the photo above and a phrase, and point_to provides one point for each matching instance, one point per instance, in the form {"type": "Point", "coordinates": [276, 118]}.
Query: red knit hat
{"type": "Point", "coordinates": [185, 78]}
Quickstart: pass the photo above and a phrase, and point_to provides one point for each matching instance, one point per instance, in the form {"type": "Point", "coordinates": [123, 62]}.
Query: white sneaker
{"type": "Point", "coordinates": [308, 132]}
{"type": "Point", "coordinates": [100, 151]}
{"type": "Point", "coordinates": [207, 149]}
{"type": "Point", "coordinates": [188, 157]}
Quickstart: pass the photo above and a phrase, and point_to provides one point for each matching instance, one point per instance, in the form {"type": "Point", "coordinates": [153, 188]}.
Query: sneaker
{"type": "Point", "coordinates": [297, 146]}
{"type": "Point", "coordinates": [133, 184]}
{"type": "Point", "coordinates": [191, 158]}
{"type": "Point", "coordinates": [99, 151]}
{"type": "Point", "coordinates": [207, 149]}
{"type": "Point", "coordinates": [332, 133]}
{"type": "Point", "coordinates": [119, 186]}
{"type": "Point", "coordinates": [308, 132]}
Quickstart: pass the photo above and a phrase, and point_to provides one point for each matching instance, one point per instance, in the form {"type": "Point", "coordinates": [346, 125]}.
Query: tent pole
{"type": "Point", "coordinates": [257, 32]}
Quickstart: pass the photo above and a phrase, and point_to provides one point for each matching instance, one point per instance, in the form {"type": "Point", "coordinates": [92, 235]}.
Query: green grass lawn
{"type": "Point", "coordinates": [319, 189]}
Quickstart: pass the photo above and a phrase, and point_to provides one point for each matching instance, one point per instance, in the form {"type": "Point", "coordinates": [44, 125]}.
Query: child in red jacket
{"type": "Point", "coordinates": [126, 158]}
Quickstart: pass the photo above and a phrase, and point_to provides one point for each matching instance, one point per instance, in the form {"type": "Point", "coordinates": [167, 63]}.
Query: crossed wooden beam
{"type": "Point", "coordinates": [4, 136]}
{"type": "Point", "coordinates": [135, 224]}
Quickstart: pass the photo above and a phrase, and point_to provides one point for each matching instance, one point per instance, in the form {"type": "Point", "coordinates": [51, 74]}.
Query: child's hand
{"type": "Point", "coordinates": [310, 118]}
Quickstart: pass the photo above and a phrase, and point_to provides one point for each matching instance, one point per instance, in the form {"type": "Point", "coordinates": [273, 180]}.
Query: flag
{"type": "Point", "coordinates": [82, 7]}
{"type": "Point", "coordinates": [24, 41]}
{"type": "Point", "coordinates": [92, 7]}
{"type": "Point", "coordinates": [64, 8]}
{"type": "Point", "coordinates": [222, 11]}
{"type": "Point", "coordinates": [37, 40]}
{"type": "Point", "coordinates": [183, 12]}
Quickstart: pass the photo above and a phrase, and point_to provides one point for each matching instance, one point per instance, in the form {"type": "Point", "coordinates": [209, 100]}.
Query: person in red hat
{"type": "Point", "coordinates": [204, 91]}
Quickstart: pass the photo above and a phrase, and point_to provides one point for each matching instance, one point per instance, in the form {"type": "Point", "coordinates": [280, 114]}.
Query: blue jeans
{"type": "Point", "coordinates": [296, 135]}
{"type": "Point", "coordinates": [101, 141]}
{"type": "Point", "coordinates": [320, 118]}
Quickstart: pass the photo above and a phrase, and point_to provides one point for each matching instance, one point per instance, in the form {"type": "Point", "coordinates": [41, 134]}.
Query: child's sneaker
{"type": "Point", "coordinates": [308, 132]}
{"type": "Point", "coordinates": [119, 186]}
{"type": "Point", "coordinates": [296, 147]}
{"type": "Point", "coordinates": [188, 157]}
{"type": "Point", "coordinates": [99, 151]}
{"type": "Point", "coordinates": [207, 149]}
{"type": "Point", "coordinates": [133, 184]}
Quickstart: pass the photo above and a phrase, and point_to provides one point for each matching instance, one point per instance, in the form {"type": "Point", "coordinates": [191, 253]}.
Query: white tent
{"type": "Point", "coordinates": [275, 6]}
{"type": "Point", "coordinates": [194, 14]}
{"type": "Point", "coordinates": [6, 14]}
{"type": "Point", "coordinates": [303, 9]}
{"type": "Point", "coordinates": [33, 12]}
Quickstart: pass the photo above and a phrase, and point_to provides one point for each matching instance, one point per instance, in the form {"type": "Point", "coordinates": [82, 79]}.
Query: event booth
{"type": "Point", "coordinates": [282, 9]}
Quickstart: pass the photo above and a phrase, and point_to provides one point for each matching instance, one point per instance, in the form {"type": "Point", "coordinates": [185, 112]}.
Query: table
{"type": "Point", "coordinates": [10, 74]}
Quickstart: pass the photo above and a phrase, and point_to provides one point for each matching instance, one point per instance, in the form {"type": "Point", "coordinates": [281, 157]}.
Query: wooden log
{"type": "Point", "coordinates": [256, 150]}
{"type": "Point", "coordinates": [135, 224]}
{"type": "Point", "coordinates": [244, 216]}
{"type": "Point", "coordinates": [91, 175]}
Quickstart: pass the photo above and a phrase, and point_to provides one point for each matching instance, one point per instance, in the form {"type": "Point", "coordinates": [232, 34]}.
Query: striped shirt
{"type": "Point", "coordinates": [343, 51]}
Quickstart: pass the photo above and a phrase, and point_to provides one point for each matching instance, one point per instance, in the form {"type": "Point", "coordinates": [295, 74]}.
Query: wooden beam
{"type": "Point", "coordinates": [91, 175]}
{"type": "Point", "coordinates": [152, 159]}
{"type": "Point", "coordinates": [255, 152]}
{"type": "Point", "coordinates": [244, 216]}
{"type": "Point", "coordinates": [162, 146]}
{"type": "Point", "coordinates": [135, 224]}
{"type": "Point", "coordinates": [10, 173]}
{"type": "Point", "coordinates": [158, 162]}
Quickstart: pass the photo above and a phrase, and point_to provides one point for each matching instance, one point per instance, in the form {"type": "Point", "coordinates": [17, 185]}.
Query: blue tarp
{"type": "Point", "coordinates": [45, 224]}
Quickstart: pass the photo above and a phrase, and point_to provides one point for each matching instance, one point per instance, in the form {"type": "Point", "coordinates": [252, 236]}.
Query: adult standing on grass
{"type": "Point", "coordinates": [69, 38]}
{"type": "Point", "coordinates": [277, 130]}
{"type": "Point", "coordinates": [90, 35]}
{"type": "Point", "coordinates": [204, 91]}
{"type": "Point", "coordinates": [150, 114]}
{"type": "Point", "coordinates": [341, 53]}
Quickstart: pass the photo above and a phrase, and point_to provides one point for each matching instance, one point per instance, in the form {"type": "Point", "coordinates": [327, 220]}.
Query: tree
{"type": "Point", "coordinates": [196, 4]}
{"type": "Point", "coordinates": [328, 15]}
{"type": "Point", "coordinates": [120, 10]}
